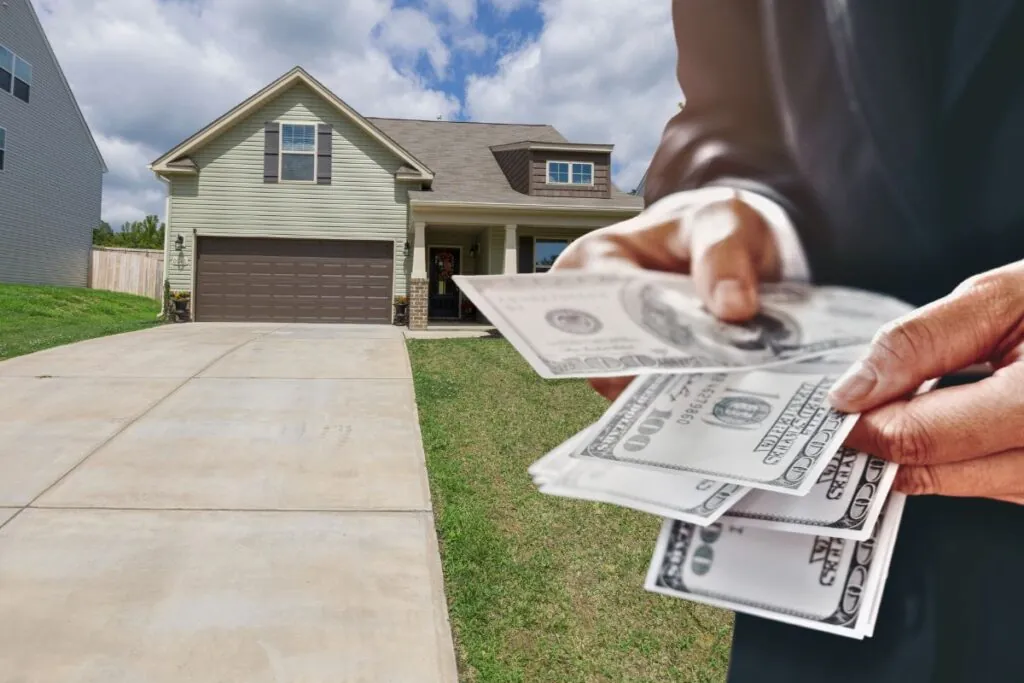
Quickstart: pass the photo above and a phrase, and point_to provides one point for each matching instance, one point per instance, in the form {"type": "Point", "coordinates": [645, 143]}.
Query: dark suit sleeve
{"type": "Point", "coordinates": [728, 131]}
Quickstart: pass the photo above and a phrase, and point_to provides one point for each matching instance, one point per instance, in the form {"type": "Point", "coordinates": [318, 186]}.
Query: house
{"type": "Point", "coordinates": [51, 171]}
{"type": "Point", "coordinates": [294, 207]}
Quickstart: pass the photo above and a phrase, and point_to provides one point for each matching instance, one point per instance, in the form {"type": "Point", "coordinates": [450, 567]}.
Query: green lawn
{"type": "Point", "coordinates": [34, 318]}
{"type": "Point", "coordinates": [541, 588]}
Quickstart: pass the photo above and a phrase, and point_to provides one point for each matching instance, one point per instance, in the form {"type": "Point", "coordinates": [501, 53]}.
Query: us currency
{"type": "Point", "coordinates": [765, 430]}
{"type": "Point", "coordinates": [844, 502]}
{"type": "Point", "coordinates": [681, 496]}
{"type": "Point", "coordinates": [594, 324]}
{"type": "Point", "coordinates": [818, 582]}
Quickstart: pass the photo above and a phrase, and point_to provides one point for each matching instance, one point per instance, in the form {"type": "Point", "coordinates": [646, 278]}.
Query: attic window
{"type": "Point", "coordinates": [570, 173]}
{"type": "Point", "coordinates": [298, 152]}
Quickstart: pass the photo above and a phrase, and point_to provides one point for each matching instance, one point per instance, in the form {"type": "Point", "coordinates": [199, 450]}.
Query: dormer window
{"type": "Point", "coordinates": [570, 173]}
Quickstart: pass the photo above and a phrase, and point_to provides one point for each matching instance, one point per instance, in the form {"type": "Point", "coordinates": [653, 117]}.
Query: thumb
{"type": "Point", "coordinates": [979, 320]}
{"type": "Point", "coordinates": [725, 240]}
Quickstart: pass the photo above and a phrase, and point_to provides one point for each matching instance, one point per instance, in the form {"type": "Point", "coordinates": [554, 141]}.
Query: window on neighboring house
{"type": "Point", "coordinates": [298, 152]}
{"type": "Point", "coordinates": [3, 148]}
{"type": "Point", "coordinates": [545, 251]}
{"type": "Point", "coordinates": [6, 68]}
{"type": "Point", "coordinates": [22, 78]}
{"type": "Point", "coordinates": [570, 173]}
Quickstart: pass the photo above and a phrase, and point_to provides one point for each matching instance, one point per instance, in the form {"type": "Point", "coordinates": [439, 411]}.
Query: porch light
{"type": "Point", "coordinates": [179, 243]}
{"type": "Point", "coordinates": [405, 249]}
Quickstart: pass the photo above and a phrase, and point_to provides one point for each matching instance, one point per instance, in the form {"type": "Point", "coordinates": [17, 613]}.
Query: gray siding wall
{"type": "Point", "coordinates": [602, 176]}
{"type": "Point", "coordinates": [52, 185]}
{"type": "Point", "coordinates": [515, 164]}
{"type": "Point", "coordinates": [229, 197]}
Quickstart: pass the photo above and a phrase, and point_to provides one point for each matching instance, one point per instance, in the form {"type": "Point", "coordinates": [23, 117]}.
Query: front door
{"type": "Point", "coordinates": [443, 301]}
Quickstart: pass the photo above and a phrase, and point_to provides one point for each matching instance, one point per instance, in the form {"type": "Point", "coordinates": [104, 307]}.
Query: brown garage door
{"type": "Point", "coordinates": [290, 280]}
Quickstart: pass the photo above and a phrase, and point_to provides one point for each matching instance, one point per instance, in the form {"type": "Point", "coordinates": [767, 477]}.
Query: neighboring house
{"type": "Point", "coordinates": [51, 171]}
{"type": "Point", "coordinates": [294, 207]}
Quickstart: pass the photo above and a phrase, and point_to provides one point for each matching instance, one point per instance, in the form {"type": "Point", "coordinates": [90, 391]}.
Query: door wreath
{"type": "Point", "coordinates": [444, 262]}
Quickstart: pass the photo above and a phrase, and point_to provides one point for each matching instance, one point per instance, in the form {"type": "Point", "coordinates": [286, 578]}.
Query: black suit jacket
{"type": "Point", "coordinates": [892, 131]}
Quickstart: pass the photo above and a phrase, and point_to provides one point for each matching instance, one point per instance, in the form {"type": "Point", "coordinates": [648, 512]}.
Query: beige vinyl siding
{"type": "Point", "coordinates": [51, 187]}
{"type": "Point", "coordinates": [229, 197]}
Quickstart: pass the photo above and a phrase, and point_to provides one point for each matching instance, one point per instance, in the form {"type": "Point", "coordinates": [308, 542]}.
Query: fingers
{"type": "Point", "coordinates": [610, 387]}
{"type": "Point", "coordinates": [948, 425]}
{"type": "Point", "coordinates": [999, 476]}
{"type": "Point", "coordinates": [982, 318]}
{"type": "Point", "coordinates": [727, 247]}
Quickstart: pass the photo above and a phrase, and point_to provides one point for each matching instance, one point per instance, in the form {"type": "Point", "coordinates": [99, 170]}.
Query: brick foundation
{"type": "Point", "coordinates": [418, 289]}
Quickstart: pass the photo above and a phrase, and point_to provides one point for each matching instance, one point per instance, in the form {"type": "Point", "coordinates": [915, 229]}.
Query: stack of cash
{"type": "Point", "coordinates": [725, 432]}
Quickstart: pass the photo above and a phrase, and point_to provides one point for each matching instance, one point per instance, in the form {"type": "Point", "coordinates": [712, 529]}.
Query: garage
{"type": "Point", "coordinates": [293, 280]}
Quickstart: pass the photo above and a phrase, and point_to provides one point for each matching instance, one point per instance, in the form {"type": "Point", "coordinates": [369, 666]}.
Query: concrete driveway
{"type": "Point", "coordinates": [209, 502]}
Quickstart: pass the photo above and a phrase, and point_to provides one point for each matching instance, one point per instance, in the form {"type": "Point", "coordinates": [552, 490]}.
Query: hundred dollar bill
{"type": "Point", "coordinates": [680, 496]}
{"type": "Point", "coordinates": [818, 582]}
{"type": "Point", "coordinates": [766, 430]}
{"type": "Point", "coordinates": [593, 324]}
{"type": "Point", "coordinates": [844, 502]}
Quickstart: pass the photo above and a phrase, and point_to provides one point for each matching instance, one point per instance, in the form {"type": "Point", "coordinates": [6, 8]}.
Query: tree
{"type": "Point", "coordinates": [145, 234]}
{"type": "Point", "coordinates": [103, 236]}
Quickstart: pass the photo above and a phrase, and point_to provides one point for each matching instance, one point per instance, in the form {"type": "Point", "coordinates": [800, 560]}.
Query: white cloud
{"type": "Point", "coordinates": [461, 11]}
{"type": "Point", "coordinates": [407, 33]}
{"type": "Point", "coordinates": [598, 71]}
{"type": "Point", "coordinates": [149, 73]}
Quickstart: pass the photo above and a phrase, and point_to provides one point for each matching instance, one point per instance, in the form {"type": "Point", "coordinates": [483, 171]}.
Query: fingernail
{"type": "Point", "coordinates": [855, 384]}
{"type": "Point", "coordinates": [730, 295]}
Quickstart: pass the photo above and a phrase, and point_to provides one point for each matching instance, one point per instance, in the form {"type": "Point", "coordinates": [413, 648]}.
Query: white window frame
{"type": "Point", "coordinates": [547, 172]}
{"type": "Point", "coordinates": [3, 148]}
{"type": "Point", "coordinates": [281, 152]}
{"type": "Point", "coordinates": [548, 238]}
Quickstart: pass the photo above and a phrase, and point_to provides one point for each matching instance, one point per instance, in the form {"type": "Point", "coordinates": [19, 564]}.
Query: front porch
{"type": "Point", "coordinates": [441, 251]}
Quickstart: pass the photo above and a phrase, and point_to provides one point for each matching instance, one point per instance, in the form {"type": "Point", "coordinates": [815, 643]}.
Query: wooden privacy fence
{"type": "Point", "coordinates": [134, 271]}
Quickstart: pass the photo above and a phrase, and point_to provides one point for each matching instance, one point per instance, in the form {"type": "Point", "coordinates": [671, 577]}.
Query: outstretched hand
{"type": "Point", "coordinates": [956, 441]}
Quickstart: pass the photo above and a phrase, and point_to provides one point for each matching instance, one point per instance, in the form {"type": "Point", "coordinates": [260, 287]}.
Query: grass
{"type": "Point", "coordinates": [33, 318]}
{"type": "Point", "coordinates": [542, 588]}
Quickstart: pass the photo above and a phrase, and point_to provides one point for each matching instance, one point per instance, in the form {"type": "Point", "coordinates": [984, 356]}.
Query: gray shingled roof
{"type": "Point", "coordinates": [459, 153]}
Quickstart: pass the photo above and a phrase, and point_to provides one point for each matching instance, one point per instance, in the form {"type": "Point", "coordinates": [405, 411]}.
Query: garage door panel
{"type": "Point", "coordinates": [257, 279]}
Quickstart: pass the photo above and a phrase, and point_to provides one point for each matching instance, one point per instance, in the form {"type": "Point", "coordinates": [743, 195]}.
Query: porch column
{"type": "Point", "coordinates": [511, 250]}
{"type": "Point", "coordinates": [419, 251]}
{"type": "Point", "coordinates": [418, 284]}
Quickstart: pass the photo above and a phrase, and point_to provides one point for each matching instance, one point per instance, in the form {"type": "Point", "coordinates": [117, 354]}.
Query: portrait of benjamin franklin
{"type": "Point", "coordinates": [675, 315]}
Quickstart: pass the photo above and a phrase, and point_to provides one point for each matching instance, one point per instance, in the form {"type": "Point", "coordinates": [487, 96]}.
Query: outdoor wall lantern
{"type": "Point", "coordinates": [405, 250]}
{"type": "Point", "coordinates": [179, 243]}
{"type": "Point", "coordinates": [475, 249]}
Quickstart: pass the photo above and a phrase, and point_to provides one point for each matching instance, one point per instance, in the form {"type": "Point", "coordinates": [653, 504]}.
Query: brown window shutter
{"type": "Point", "coordinates": [323, 153]}
{"type": "Point", "coordinates": [525, 255]}
{"type": "Point", "coordinates": [271, 151]}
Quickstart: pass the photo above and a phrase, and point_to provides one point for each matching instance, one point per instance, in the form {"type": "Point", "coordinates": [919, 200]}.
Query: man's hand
{"type": "Point", "coordinates": [956, 441]}
{"type": "Point", "coordinates": [725, 246]}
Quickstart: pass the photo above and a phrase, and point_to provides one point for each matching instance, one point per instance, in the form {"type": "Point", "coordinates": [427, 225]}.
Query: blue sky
{"type": "Point", "coordinates": [149, 73]}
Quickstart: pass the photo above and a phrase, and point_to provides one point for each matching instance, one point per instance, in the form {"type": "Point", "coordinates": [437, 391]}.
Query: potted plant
{"type": "Point", "coordinates": [468, 309]}
{"type": "Point", "coordinates": [181, 301]}
{"type": "Point", "coordinates": [401, 308]}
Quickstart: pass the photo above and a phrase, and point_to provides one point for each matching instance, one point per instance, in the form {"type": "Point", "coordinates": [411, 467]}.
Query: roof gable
{"type": "Point", "coordinates": [169, 162]}
{"type": "Point", "coordinates": [64, 83]}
